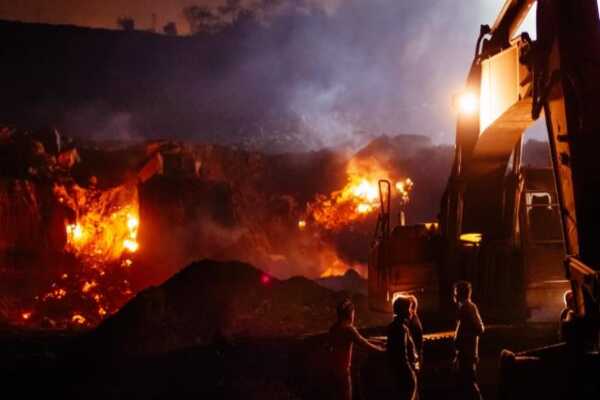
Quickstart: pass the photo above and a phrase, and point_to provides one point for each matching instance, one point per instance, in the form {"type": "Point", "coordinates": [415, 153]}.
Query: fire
{"type": "Point", "coordinates": [301, 224]}
{"type": "Point", "coordinates": [130, 245]}
{"type": "Point", "coordinates": [57, 294]}
{"type": "Point", "coordinates": [404, 187]}
{"type": "Point", "coordinates": [75, 232]}
{"type": "Point", "coordinates": [132, 223]}
{"type": "Point", "coordinates": [78, 319]}
{"type": "Point", "coordinates": [106, 225]}
{"type": "Point", "coordinates": [366, 191]}
{"type": "Point", "coordinates": [332, 265]}
{"type": "Point", "coordinates": [101, 234]}
{"type": "Point", "coordinates": [364, 208]}
{"type": "Point", "coordinates": [87, 286]}
{"type": "Point", "coordinates": [358, 198]}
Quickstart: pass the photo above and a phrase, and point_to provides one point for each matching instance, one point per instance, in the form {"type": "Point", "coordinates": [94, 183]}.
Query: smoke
{"type": "Point", "coordinates": [354, 69]}
{"type": "Point", "coordinates": [309, 75]}
{"type": "Point", "coordinates": [98, 121]}
{"type": "Point", "coordinates": [246, 207]}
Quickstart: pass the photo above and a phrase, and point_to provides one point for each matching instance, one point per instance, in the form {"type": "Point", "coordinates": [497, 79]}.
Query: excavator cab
{"type": "Point", "coordinates": [402, 259]}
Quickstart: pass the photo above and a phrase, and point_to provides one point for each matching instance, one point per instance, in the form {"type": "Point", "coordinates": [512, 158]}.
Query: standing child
{"type": "Point", "coordinates": [342, 336]}
{"type": "Point", "coordinates": [401, 350]}
{"type": "Point", "coordinates": [469, 327]}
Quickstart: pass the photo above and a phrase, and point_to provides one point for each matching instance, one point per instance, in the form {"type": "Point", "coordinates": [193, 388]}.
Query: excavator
{"type": "Point", "coordinates": [507, 213]}
{"type": "Point", "coordinates": [524, 236]}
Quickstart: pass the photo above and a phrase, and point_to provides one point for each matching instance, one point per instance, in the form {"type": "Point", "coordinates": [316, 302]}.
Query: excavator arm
{"type": "Point", "coordinates": [515, 79]}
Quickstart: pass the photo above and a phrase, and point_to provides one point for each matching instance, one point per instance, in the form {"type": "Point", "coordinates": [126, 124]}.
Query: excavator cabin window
{"type": "Point", "coordinates": [543, 218]}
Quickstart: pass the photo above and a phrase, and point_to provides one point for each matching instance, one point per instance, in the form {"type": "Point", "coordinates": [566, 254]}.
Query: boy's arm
{"type": "Point", "coordinates": [360, 340]}
{"type": "Point", "coordinates": [477, 323]}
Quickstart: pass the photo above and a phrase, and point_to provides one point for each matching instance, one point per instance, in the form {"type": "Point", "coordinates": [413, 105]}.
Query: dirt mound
{"type": "Point", "coordinates": [351, 281]}
{"type": "Point", "coordinates": [209, 301]}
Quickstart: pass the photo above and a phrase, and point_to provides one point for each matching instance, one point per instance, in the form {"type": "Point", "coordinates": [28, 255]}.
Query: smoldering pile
{"type": "Point", "coordinates": [210, 301]}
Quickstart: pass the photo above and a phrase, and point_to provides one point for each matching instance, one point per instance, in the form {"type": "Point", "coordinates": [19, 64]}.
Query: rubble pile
{"type": "Point", "coordinates": [210, 301]}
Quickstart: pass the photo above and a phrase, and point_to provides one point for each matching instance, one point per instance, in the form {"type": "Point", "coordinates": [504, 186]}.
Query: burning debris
{"type": "Point", "coordinates": [81, 239]}
{"type": "Point", "coordinates": [358, 198]}
{"type": "Point", "coordinates": [106, 223]}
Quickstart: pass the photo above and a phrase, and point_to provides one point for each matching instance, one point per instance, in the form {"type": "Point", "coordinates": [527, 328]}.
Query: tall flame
{"type": "Point", "coordinates": [102, 236]}
{"type": "Point", "coordinates": [358, 198]}
{"type": "Point", "coordinates": [107, 223]}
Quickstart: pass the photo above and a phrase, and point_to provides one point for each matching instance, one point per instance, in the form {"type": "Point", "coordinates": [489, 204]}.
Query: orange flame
{"type": "Point", "coordinates": [358, 198]}
{"type": "Point", "coordinates": [102, 236]}
{"type": "Point", "coordinates": [332, 265]}
{"type": "Point", "coordinates": [404, 188]}
{"type": "Point", "coordinates": [107, 222]}
{"type": "Point", "coordinates": [78, 319]}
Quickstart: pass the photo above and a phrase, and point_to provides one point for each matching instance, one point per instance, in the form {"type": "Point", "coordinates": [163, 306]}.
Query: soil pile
{"type": "Point", "coordinates": [209, 302]}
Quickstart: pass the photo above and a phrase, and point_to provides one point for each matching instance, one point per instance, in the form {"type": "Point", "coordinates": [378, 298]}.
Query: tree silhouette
{"type": "Point", "coordinates": [126, 23]}
{"type": "Point", "coordinates": [202, 20]}
{"type": "Point", "coordinates": [170, 29]}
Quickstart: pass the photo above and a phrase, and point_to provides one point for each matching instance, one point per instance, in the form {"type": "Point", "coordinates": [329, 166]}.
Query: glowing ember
{"type": "Point", "coordinates": [88, 285]}
{"type": "Point", "coordinates": [78, 319]}
{"type": "Point", "coordinates": [26, 315]}
{"type": "Point", "coordinates": [265, 279]}
{"type": "Point", "coordinates": [55, 294]}
{"type": "Point", "coordinates": [301, 224]}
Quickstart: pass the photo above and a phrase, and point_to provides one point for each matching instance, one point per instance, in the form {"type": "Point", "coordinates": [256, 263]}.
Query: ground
{"type": "Point", "coordinates": [276, 368]}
